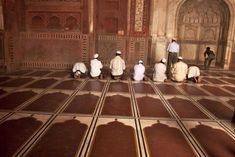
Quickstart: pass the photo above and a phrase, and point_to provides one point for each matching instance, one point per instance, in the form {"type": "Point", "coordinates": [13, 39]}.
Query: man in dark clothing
{"type": "Point", "coordinates": [209, 57]}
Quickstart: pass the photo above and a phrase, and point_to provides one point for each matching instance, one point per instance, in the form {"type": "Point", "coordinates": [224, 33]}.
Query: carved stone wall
{"type": "Point", "coordinates": [108, 45]}
{"type": "Point", "coordinates": [139, 17]}
{"type": "Point", "coordinates": [36, 29]}
{"type": "Point", "coordinates": [200, 25]}
{"type": "Point", "coordinates": [111, 17]}
{"type": "Point", "coordinates": [132, 48]}
{"type": "Point", "coordinates": [64, 15]}
{"type": "Point", "coordinates": [114, 33]}
{"type": "Point", "coordinates": [53, 50]}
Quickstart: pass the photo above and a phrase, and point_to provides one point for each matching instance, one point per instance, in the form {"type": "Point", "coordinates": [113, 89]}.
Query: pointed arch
{"type": "Point", "coordinates": [203, 22]}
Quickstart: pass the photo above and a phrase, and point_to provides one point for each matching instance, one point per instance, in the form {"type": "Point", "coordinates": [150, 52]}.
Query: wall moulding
{"type": "Point", "coordinates": [51, 1]}
{"type": "Point", "coordinates": [63, 36]}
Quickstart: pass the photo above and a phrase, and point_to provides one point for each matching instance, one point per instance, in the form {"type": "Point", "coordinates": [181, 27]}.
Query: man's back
{"type": "Point", "coordinates": [79, 66]}
{"type": "Point", "coordinates": [193, 71]}
{"type": "Point", "coordinates": [117, 65]}
{"type": "Point", "coordinates": [179, 71]}
{"type": "Point", "coordinates": [139, 70]}
{"type": "Point", "coordinates": [173, 47]}
{"type": "Point", "coordinates": [96, 67]}
{"type": "Point", "coordinates": [159, 72]}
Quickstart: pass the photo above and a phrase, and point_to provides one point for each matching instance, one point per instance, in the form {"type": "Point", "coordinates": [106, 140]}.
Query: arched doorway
{"type": "Point", "coordinates": [203, 23]}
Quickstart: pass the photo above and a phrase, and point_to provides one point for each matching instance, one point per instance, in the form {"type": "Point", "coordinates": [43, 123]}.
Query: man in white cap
{"type": "Point", "coordinates": [139, 70]}
{"type": "Point", "coordinates": [160, 71]}
{"type": "Point", "coordinates": [117, 66]}
{"type": "Point", "coordinates": [179, 70]}
{"type": "Point", "coordinates": [96, 67]}
{"type": "Point", "coordinates": [193, 74]}
{"type": "Point", "coordinates": [79, 70]}
{"type": "Point", "coordinates": [173, 51]}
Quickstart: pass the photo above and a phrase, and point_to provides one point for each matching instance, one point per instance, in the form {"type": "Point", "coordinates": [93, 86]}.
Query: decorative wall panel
{"type": "Point", "coordinates": [107, 45]}
{"type": "Point", "coordinates": [139, 13]}
{"type": "Point", "coordinates": [111, 16]}
{"type": "Point", "coordinates": [53, 50]}
{"type": "Point", "coordinates": [66, 15]}
{"type": "Point", "coordinates": [137, 49]}
{"type": "Point", "coordinates": [133, 48]}
{"type": "Point", "coordinates": [139, 18]}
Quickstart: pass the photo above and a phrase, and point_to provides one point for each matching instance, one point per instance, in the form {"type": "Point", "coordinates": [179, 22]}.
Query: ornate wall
{"type": "Point", "coordinates": [122, 25]}
{"type": "Point", "coordinates": [202, 24]}
{"type": "Point", "coordinates": [196, 25]}
{"type": "Point", "coordinates": [57, 33]}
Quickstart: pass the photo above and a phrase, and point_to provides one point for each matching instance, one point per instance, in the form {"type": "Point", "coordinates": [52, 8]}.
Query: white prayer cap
{"type": "Point", "coordinates": [163, 60]}
{"type": "Point", "coordinates": [180, 57]}
{"type": "Point", "coordinates": [118, 52]}
{"type": "Point", "coordinates": [141, 62]}
{"type": "Point", "coordinates": [96, 55]}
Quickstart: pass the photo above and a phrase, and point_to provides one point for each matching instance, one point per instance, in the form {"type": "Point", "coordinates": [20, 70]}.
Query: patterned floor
{"type": "Point", "coordinates": [49, 114]}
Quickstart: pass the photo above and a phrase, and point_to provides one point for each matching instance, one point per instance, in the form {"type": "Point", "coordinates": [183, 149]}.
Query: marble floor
{"type": "Point", "coordinates": [49, 114]}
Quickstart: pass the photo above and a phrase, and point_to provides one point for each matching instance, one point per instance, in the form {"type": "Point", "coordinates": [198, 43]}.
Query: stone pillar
{"type": "Point", "coordinates": [227, 55]}
{"type": "Point", "coordinates": [91, 15]}
{"type": "Point", "coordinates": [158, 26]}
{"type": "Point", "coordinates": [11, 40]}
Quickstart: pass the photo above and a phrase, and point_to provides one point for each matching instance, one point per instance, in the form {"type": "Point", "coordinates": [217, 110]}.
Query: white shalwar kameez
{"type": "Point", "coordinates": [159, 72]}
{"type": "Point", "coordinates": [96, 67]}
{"type": "Point", "coordinates": [139, 71]}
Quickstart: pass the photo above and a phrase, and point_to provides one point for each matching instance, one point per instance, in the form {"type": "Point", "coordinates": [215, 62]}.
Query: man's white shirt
{"type": "Point", "coordinates": [96, 67]}
{"type": "Point", "coordinates": [159, 72]}
{"type": "Point", "coordinates": [193, 71]}
{"type": "Point", "coordinates": [79, 66]}
{"type": "Point", "coordinates": [173, 47]}
{"type": "Point", "coordinates": [179, 71]}
{"type": "Point", "coordinates": [117, 65]}
{"type": "Point", "coordinates": [139, 70]}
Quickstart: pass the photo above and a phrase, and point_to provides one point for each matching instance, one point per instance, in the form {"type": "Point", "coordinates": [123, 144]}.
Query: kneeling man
{"type": "Point", "coordinates": [96, 67]}
{"type": "Point", "coordinates": [179, 70]}
{"type": "Point", "coordinates": [139, 71]}
{"type": "Point", "coordinates": [79, 70]}
{"type": "Point", "coordinates": [117, 66]}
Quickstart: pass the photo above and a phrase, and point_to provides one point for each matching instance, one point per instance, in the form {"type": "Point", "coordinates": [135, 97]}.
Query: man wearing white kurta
{"type": "Point", "coordinates": [193, 74]}
{"type": "Point", "coordinates": [160, 71]}
{"type": "Point", "coordinates": [79, 69]}
{"type": "Point", "coordinates": [139, 71]}
{"type": "Point", "coordinates": [117, 66]}
{"type": "Point", "coordinates": [173, 51]}
{"type": "Point", "coordinates": [179, 70]}
{"type": "Point", "coordinates": [96, 66]}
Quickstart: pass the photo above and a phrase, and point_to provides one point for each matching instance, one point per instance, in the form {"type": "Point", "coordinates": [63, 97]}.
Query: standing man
{"type": "Point", "coordinates": [96, 67]}
{"type": "Point", "coordinates": [139, 71]}
{"type": "Point", "coordinates": [173, 51]}
{"type": "Point", "coordinates": [160, 71]}
{"type": "Point", "coordinates": [179, 70]}
{"type": "Point", "coordinates": [117, 66]}
{"type": "Point", "coordinates": [209, 56]}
